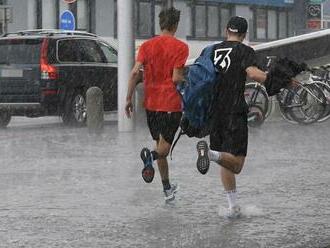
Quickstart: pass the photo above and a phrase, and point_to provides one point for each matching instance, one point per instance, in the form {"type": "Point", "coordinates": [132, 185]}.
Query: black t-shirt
{"type": "Point", "coordinates": [231, 58]}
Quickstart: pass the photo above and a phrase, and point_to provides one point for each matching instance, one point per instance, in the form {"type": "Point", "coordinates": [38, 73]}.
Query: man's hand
{"type": "Point", "coordinates": [129, 108]}
{"type": "Point", "coordinates": [294, 83]}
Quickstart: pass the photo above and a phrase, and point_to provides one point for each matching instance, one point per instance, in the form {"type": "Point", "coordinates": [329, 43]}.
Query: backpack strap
{"type": "Point", "coordinates": [176, 141]}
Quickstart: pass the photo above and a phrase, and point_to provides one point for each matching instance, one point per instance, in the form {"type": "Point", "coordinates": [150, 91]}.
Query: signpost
{"type": "Point", "coordinates": [67, 20]}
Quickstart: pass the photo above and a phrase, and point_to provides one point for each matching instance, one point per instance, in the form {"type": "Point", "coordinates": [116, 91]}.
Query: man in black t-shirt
{"type": "Point", "coordinates": [229, 133]}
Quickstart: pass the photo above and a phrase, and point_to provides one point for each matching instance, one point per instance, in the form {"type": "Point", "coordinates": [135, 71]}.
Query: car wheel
{"type": "Point", "coordinates": [5, 118]}
{"type": "Point", "coordinates": [75, 113]}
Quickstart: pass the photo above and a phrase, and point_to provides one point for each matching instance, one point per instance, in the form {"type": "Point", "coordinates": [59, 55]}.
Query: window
{"type": "Point", "coordinates": [213, 21]}
{"type": "Point", "coordinates": [79, 50]}
{"type": "Point", "coordinates": [209, 20]}
{"type": "Point", "coordinates": [200, 21]}
{"type": "Point", "coordinates": [82, 15]}
{"type": "Point", "coordinates": [261, 21]}
{"type": "Point", "coordinates": [20, 51]}
{"type": "Point", "coordinates": [225, 16]}
{"type": "Point", "coordinates": [282, 25]}
{"type": "Point", "coordinates": [146, 17]}
{"type": "Point", "coordinates": [271, 23]}
{"type": "Point", "coordinates": [49, 20]}
{"type": "Point", "coordinates": [109, 53]}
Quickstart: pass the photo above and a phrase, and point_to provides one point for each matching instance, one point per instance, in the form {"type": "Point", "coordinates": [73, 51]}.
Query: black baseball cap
{"type": "Point", "coordinates": [237, 24]}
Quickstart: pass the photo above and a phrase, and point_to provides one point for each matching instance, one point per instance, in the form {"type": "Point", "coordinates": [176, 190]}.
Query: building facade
{"type": "Point", "coordinates": [202, 21]}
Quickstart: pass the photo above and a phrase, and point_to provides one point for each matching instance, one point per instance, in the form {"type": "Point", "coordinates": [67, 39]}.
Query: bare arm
{"type": "Point", "coordinates": [134, 79]}
{"type": "Point", "coordinates": [256, 74]}
{"type": "Point", "coordinates": [178, 75]}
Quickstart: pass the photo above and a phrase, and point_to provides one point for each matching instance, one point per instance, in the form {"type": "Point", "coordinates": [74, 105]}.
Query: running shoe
{"type": "Point", "coordinates": [203, 162]}
{"type": "Point", "coordinates": [233, 212]}
{"type": "Point", "coordinates": [169, 195]}
{"type": "Point", "coordinates": [148, 171]}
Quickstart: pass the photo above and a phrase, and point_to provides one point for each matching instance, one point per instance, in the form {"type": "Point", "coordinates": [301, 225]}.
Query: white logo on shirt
{"type": "Point", "coordinates": [222, 59]}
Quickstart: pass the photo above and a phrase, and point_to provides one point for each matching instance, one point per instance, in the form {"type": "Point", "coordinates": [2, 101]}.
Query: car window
{"type": "Point", "coordinates": [79, 50]}
{"type": "Point", "coordinates": [109, 52]}
{"type": "Point", "coordinates": [20, 51]}
{"type": "Point", "coordinates": [68, 51]}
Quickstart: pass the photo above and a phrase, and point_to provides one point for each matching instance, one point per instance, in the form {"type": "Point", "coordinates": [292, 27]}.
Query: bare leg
{"type": "Point", "coordinates": [231, 162]}
{"type": "Point", "coordinates": [228, 179]}
{"type": "Point", "coordinates": [163, 149]}
{"type": "Point", "coordinates": [227, 176]}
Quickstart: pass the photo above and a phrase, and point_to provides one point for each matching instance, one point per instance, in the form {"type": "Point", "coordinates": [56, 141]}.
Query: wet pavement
{"type": "Point", "coordinates": [61, 187]}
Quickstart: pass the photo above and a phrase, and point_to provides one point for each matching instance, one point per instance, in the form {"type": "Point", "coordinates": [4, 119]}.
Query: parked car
{"type": "Point", "coordinates": [47, 73]}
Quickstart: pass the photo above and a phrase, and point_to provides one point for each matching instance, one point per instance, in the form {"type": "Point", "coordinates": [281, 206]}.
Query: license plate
{"type": "Point", "coordinates": [11, 73]}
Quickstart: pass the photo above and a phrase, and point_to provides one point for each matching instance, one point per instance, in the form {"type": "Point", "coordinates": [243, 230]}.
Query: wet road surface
{"type": "Point", "coordinates": [61, 187]}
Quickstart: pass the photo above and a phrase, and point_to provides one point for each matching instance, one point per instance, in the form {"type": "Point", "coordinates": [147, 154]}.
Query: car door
{"type": "Point", "coordinates": [110, 76]}
{"type": "Point", "coordinates": [86, 62]}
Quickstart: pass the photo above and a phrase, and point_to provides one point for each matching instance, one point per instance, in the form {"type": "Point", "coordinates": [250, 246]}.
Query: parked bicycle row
{"type": "Point", "coordinates": [308, 101]}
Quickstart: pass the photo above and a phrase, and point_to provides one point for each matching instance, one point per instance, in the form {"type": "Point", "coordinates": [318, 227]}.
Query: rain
{"type": "Point", "coordinates": [70, 167]}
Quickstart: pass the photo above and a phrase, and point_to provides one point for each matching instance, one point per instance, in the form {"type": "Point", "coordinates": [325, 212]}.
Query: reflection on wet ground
{"type": "Point", "coordinates": [61, 187]}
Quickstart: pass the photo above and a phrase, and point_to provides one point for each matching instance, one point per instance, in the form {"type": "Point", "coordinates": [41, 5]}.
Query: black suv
{"type": "Point", "coordinates": [47, 72]}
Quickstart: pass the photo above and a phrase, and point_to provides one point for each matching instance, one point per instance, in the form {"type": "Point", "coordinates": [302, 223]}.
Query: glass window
{"type": "Point", "coordinates": [272, 24]}
{"type": "Point", "coordinates": [82, 15]}
{"type": "Point", "coordinates": [291, 23]}
{"type": "Point", "coordinates": [158, 9]}
{"type": "Point", "coordinates": [144, 19]}
{"type": "Point", "coordinates": [282, 25]}
{"type": "Point", "coordinates": [109, 53]}
{"type": "Point", "coordinates": [48, 14]}
{"type": "Point", "coordinates": [20, 51]}
{"type": "Point", "coordinates": [200, 19]}
{"type": "Point", "coordinates": [68, 51]}
{"type": "Point", "coordinates": [213, 21]}
{"type": "Point", "coordinates": [261, 20]}
{"type": "Point", "coordinates": [224, 15]}
{"type": "Point", "coordinates": [79, 51]}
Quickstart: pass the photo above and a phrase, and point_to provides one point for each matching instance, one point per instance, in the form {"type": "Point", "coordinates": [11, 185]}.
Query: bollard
{"type": "Point", "coordinates": [95, 110]}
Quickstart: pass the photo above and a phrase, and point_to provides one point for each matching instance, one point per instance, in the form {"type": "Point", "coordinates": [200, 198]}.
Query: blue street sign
{"type": "Point", "coordinates": [67, 20]}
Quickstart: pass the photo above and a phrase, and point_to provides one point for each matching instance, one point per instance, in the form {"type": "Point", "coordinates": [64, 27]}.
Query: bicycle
{"type": "Point", "coordinates": [303, 104]}
{"type": "Point", "coordinates": [323, 82]}
{"type": "Point", "coordinates": [258, 101]}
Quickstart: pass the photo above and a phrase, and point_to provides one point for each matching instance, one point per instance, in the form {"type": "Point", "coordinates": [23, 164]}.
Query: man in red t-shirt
{"type": "Point", "coordinates": [162, 58]}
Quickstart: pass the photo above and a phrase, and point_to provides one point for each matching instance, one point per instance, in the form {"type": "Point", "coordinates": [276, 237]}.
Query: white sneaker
{"type": "Point", "coordinates": [169, 195]}
{"type": "Point", "coordinates": [233, 212]}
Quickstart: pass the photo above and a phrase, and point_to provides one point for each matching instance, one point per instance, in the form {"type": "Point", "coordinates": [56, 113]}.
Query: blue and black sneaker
{"type": "Point", "coordinates": [148, 171]}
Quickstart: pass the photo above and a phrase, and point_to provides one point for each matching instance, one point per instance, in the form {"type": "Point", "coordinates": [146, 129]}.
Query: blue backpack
{"type": "Point", "coordinates": [198, 96]}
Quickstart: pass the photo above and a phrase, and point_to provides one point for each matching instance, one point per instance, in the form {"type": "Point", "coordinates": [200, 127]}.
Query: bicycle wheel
{"type": "Point", "coordinates": [307, 104]}
{"type": "Point", "coordinates": [256, 116]}
{"type": "Point", "coordinates": [284, 101]}
{"type": "Point", "coordinates": [255, 95]}
{"type": "Point", "coordinates": [326, 92]}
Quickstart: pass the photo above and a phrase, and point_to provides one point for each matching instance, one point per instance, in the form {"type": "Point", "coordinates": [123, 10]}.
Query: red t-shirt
{"type": "Point", "coordinates": [159, 56]}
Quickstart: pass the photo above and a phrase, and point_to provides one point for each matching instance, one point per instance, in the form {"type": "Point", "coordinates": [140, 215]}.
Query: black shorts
{"type": "Point", "coordinates": [230, 134]}
{"type": "Point", "coordinates": [163, 123]}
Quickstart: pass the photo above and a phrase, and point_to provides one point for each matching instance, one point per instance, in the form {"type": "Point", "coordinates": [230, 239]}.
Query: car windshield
{"type": "Point", "coordinates": [20, 51]}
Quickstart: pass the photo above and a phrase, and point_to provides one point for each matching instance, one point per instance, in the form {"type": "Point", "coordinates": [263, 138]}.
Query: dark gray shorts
{"type": "Point", "coordinates": [163, 123]}
{"type": "Point", "coordinates": [230, 134]}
